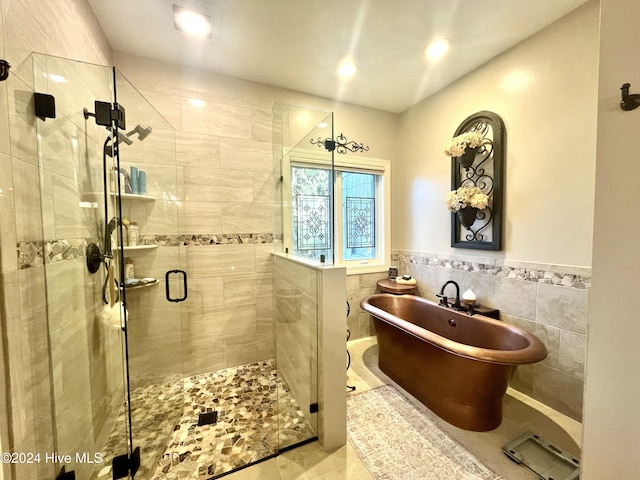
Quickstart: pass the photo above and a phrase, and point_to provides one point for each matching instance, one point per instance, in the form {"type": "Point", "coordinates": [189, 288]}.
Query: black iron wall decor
{"type": "Point", "coordinates": [341, 144]}
{"type": "Point", "coordinates": [482, 168]}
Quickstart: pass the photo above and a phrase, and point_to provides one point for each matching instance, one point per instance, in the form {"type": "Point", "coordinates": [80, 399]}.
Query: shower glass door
{"type": "Point", "coordinates": [155, 283]}
{"type": "Point", "coordinates": [86, 340]}
{"type": "Point", "coordinates": [303, 234]}
{"type": "Point", "coordinates": [115, 340]}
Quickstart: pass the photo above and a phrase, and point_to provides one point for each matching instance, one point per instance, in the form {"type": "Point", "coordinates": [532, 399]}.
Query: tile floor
{"type": "Point", "coordinates": [256, 415]}
{"type": "Point", "coordinates": [310, 462]}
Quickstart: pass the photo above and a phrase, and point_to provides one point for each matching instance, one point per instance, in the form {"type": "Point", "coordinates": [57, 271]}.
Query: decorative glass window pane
{"type": "Point", "coordinates": [359, 213]}
{"type": "Point", "coordinates": [311, 212]}
{"type": "Point", "coordinates": [313, 222]}
{"type": "Point", "coordinates": [361, 222]}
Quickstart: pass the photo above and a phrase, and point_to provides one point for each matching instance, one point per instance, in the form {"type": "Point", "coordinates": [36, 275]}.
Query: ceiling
{"type": "Point", "coordinates": [297, 44]}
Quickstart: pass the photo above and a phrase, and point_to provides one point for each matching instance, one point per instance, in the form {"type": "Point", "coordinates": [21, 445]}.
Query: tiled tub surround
{"type": "Point", "coordinates": [550, 301]}
{"type": "Point", "coordinates": [359, 287]}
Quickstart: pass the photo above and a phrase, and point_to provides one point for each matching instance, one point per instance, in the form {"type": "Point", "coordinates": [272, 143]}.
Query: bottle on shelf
{"type": "Point", "coordinates": [113, 183]}
{"type": "Point", "coordinates": [134, 234]}
{"type": "Point", "coordinates": [142, 182]}
{"type": "Point", "coordinates": [129, 270]}
{"type": "Point", "coordinates": [134, 180]}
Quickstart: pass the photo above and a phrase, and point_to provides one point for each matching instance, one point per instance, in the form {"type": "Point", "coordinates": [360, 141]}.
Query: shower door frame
{"type": "Point", "coordinates": [134, 457]}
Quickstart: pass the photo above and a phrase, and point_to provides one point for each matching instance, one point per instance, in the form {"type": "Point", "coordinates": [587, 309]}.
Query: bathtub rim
{"type": "Point", "coordinates": [534, 352]}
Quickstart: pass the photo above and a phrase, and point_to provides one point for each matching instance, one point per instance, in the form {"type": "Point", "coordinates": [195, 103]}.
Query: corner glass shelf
{"type": "Point", "coordinates": [138, 247]}
{"type": "Point", "coordinates": [141, 283]}
{"type": "Point", "coordinates": [134, 196]}
{"type": "Point", "coordinates": [124, 196]}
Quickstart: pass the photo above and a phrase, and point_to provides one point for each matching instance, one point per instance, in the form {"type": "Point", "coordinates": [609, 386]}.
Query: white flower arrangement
{"type": "Point", "coordinates": [466, 196]}
{"type": "Point", "coordinates": [456, 146]}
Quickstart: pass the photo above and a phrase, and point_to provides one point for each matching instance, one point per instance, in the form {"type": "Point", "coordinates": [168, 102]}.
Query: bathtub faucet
{"type": "Point", "coordinates": [443, 298]}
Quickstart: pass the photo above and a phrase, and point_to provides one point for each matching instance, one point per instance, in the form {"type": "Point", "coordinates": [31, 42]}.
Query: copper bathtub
{"type": "Point", "coordinates": [458, 365]}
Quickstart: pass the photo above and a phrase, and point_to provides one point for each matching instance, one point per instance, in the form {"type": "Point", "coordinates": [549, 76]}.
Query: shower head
{"type": "Point", "coordinates": [108, 230]}
{"type": "Point", "coordinates": [124, 137]}
{"type": "Point", "coordinates": [142, 131]}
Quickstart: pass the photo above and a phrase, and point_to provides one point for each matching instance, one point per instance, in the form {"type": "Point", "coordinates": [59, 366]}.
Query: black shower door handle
{"type": "Point", "coordinates": [168, 288]}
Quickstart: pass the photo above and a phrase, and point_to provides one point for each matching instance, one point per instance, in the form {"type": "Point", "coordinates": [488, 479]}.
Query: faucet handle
{"type": "Point", "coordinates": [444, 301]}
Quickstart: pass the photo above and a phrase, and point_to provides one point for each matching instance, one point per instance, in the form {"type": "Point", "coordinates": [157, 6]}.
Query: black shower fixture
{"type": "Point", "coordinates": [340, 145]}
{"type": "Point", "coordinates": [4, 70]}
{"type": "Point", "coordinates": [142, 131]}
{"type": "Point", "coordinates": [107, 114]}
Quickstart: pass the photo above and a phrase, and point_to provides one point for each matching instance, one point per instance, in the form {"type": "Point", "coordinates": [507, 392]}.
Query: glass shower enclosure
{"type": "Point", "coordinates": [303, 238]}
{"type": "Point", "coordinates": [109, 188]}
{"type": "Point", "coordinates": [116, 396]}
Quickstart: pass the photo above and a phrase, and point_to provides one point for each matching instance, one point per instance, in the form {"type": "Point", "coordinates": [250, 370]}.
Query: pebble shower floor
{"type": "Point", "coordinates": [256, 414]}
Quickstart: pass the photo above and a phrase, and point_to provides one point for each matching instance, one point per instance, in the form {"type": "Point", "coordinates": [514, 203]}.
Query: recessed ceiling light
{"type": "Point", "coordinates": [347, 69]}
{"type": "Point", "coordinates": [57, 78]}
{"type": "Point", "coordinates": [437, 48]}
{"type": "Point", "coordinates": [191, 22]}
{"type": "Point", "coordinates": [196, 102]}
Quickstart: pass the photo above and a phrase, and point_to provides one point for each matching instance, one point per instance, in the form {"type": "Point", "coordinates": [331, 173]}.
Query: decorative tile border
{"type": "Point", "coordinates": [563, 275]}
{"type": "Point", "coordinates": [198, 239]}
{"type": "Point", "coordinates": [36, 254]}
{"type": "Point", "coordinates": [59, 250]}
{"type": "Point", "coordinates": [30, 254]}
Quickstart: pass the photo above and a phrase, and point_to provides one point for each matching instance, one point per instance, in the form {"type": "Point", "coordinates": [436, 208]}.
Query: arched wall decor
{"type": "Point", "coordinates": [485, 171]}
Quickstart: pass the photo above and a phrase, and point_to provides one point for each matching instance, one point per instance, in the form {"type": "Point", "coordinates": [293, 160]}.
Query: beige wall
{"type": "Point", "coordinates": [544, 89]}
{"type": "Point", "coordinates": [64, 28]}
{"type": "Point", "coordinates": [611, 424]}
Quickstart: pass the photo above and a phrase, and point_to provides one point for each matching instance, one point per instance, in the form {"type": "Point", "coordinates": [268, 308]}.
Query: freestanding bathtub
{"type": "Point", "coordinates": [458, 365]}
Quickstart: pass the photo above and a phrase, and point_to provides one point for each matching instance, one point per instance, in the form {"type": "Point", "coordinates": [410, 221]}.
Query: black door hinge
{"type": "Point", "coordinates": [124, 465]}
{"type": "Point", "coordinates": [64, 475]}
{"type": "Point", "coordinates": [107, 115]}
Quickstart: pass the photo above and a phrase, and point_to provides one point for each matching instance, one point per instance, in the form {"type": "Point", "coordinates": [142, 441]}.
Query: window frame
{"type": "Point", "coordinates": [347, 163]}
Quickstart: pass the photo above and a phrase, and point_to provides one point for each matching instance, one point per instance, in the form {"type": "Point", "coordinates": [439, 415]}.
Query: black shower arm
{"type": "Point", "coordinates": [4, 70]}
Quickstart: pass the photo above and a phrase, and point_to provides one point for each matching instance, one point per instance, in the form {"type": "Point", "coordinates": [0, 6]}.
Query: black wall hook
{"type": "Point", "coordinates": [4, 70]}
{"type": "Point", "coordinates": [629, 102]}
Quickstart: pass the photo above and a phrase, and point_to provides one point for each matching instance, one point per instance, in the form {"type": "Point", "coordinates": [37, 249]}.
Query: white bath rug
{"type": "Point", "coordinates": [398, 442]}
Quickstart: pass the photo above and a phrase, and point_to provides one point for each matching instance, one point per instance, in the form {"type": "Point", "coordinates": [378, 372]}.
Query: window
{"type": "Point", "coordinates": [360, 212]}
{"type": "Point", "coordinates": [311, 211]}
{"type": "Point", "coordinates": [358, 216]}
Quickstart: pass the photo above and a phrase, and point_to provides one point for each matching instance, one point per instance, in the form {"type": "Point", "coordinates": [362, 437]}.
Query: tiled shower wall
{"type": "Point", "coordinates": [217, 227]}
{"type": "Point", "coordinates": [550, 301]}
